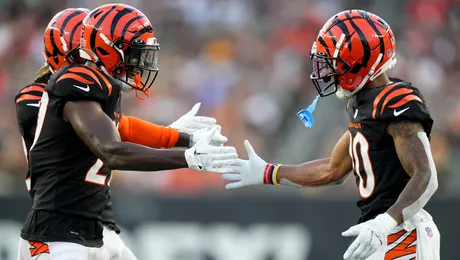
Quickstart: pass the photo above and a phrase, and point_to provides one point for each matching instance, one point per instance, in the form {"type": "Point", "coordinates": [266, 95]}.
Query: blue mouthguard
{"type": "Point", "coordinates": [306, 115]}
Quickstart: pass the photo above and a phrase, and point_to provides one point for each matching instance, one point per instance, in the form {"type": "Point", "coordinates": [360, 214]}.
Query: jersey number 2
{"type": "Point", "coordinates": [93, 175]}
{"type": "Point", "coordinates": [362, 152]}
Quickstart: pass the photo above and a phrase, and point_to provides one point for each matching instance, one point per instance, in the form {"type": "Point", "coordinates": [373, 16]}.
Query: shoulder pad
{"type": "Point", "coordinates": [27, 104]}
{"type": "Point", "coordinates": [402, 101]}
{"type": "Point", "coordinates": [30, 93]}
{"type": "Point", "coordinates": [80, 82]}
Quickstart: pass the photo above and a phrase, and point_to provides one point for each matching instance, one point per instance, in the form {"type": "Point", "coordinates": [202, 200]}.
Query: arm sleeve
{"type": "Point", "coordinates": [141, 132]}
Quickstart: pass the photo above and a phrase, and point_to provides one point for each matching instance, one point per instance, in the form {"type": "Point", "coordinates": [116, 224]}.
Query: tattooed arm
{"type": "Point", "coordinates": [413, 148]}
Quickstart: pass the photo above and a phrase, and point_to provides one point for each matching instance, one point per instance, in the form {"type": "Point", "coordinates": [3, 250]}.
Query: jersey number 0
{"type": "Point", "coordinates": [358, 153]}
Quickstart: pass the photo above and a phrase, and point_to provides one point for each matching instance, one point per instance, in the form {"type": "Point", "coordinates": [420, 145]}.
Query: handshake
{"type": "Point", "coordinates": [208, 153]}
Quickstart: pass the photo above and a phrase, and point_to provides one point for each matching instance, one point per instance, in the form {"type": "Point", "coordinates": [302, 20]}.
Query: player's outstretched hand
{"type": "Point", "coordinates": [190, 122]}
{"type": "Point", "coordinates": [208, 158]}
{"type": "Point", "coordinates": [371, 235]}
{"type": "Point", "coordinates": [198, 126]}
{"type": "Point", "coordinates": [246, 172]}
{"type": "Point", "coordinates": [217, 140]}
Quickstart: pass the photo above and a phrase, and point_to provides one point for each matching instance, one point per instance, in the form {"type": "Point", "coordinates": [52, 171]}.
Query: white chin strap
{"type": "Point", "coordinates": [343, 94]}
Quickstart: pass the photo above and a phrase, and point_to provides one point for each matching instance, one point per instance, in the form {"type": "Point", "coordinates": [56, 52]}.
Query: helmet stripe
{"type": "Point", "coordinates": [364, 14]}
{"type": "Point", "coordinates": [56, 50]}
{"type": "Point", "coordinates": [343, 26]}
{"type": "Point", "coordinates": [118, 16]}
{"type": "Point", "coordinates": [72, 34]}
{"type": "Point", "coordinates": [321, 40]}
{"type": "Point", "coordinates": [126, 27]}
{"type": "Point", "coordinates": [334, 41]}
{"type": "Point", "coordinates": [376, 30]}
{"type": "Point", "coordinates": [96, 26]}
{"type": "Point", "coordinates": [366, 47]}
{"type": "Point", "coordinates": [67, 19]}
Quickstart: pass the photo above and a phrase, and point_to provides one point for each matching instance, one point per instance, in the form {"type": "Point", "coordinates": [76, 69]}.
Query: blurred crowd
{"type": "Point", "coordinates": [248, 63]}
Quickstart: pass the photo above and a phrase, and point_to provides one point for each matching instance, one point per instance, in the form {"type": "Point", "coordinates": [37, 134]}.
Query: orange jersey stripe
{"type": "Point", "coordinates": [86, 71]}
{"type": "Point", "coordinates": [396, 93]}
{"type": "Point", "coordinates": [37, 248]}
{"type": "Point", "coordinates": [403, 248]}
{"type": "Point", "coordinates": [379, 97]}
{"type": "Point", "coordinates": [27, 97]}
{"type": "Point", "coordinates": [405, 100]}
{"type": "Point", "coordinates": [33, 88]}
{"type": "Point", "coordinates": [393, 237]}
{"type": "Point", "coordinates": [104, 77]}
{"type": "Point", "coordinates": [75, 77]}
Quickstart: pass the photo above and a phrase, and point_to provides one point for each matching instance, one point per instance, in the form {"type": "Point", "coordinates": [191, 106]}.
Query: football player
{"type": "Point", "coordinates": [386, 146]}
{"type": "Point", "coordinates": [68, 181]}
{"type": "Point", "coordinates": [61, 38]}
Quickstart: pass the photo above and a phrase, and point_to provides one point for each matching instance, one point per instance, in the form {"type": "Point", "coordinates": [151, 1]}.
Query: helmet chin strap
{"type": "Point", "coordinates": [343, 94]}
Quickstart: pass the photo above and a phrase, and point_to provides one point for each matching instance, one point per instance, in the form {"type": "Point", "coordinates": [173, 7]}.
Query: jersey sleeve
{"type": "Point", "coordinates": [79, 82]}
{"type": "Point", "coordinates": [404, 102]}
{"type": "Point", "coordinates": [27, 103]}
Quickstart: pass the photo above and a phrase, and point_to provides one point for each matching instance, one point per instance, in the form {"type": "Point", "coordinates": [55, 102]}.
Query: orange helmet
{"type": "Point", "coordinates": [120, 40]}
{"type": "Point", "coordinates": [353, 48]}
{"type": "Point", "coordinates": [62, 36]}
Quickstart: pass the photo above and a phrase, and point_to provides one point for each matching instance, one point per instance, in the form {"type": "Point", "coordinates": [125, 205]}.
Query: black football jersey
{"type": "Point", "coordinates": [27, 102]}
{"type": "Point", "coordinates": [71, 185]}
{"type": "Point", "coordinates": [379, 174]}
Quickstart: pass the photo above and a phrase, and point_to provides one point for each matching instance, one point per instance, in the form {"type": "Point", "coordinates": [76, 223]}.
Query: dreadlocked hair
{"type": "Point", "coordinates": [43, 74]}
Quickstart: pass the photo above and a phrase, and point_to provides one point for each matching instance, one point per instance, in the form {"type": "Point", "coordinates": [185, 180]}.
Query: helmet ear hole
{"type": "Point", "coordinates": [119, 44]}
{"type": "Point", "coordinates": [117, 71]}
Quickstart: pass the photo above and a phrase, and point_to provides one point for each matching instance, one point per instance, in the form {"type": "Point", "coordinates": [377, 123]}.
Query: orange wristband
{"type": "Point", "coordinates": [135, 130]}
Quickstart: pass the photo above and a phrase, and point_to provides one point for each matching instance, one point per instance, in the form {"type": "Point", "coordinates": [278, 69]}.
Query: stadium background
{"type": "Point", "coordinates": [247, 62]}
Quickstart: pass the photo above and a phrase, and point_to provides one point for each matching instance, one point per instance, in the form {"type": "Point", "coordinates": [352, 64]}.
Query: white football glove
{"type": "Point", "coordinates": [371, 235]}
{"type": "Point", "coordinates": [190, 123]}
{"type": "Point", "coordinates": [247, 172]}
{"type": "Point", "coordinates": [217, 140]}
{"type": "Point", "coordinates": [207, 158]}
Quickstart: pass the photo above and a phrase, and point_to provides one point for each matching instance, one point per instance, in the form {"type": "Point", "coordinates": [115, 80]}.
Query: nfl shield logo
{"type": "Point", "coordinates": [428, 231]}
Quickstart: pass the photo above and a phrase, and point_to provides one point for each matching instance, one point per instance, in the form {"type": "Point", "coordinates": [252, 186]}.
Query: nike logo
{"type": "Point", "coordinates": [82, 88]}
{"type": "Point", "coordinates": [196, 153]}
{"type": "Point", "coordinates": [33, 104]}
{"type": "Point", "coordinates": [397, 113]}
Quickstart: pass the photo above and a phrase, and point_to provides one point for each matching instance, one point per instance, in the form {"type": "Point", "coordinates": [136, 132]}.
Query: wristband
{"type": "Point", "coordinates": [275, 173]}
{"type": "Point", "coordinates": [270, 172]}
